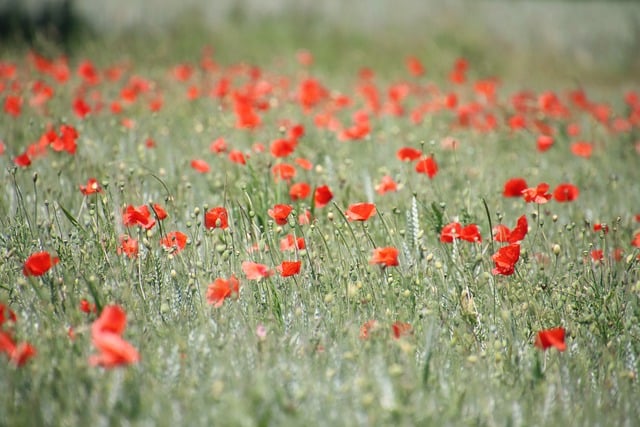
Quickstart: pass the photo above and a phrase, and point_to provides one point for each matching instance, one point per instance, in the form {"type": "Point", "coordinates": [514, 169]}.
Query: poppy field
{"type": "Point", "coordinates": [215, 241]}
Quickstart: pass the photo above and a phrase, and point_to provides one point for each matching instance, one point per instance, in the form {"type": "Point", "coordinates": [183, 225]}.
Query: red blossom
{"type": "Point", "coordinates": [280, 213]}
{"type": "Point", "coordinates": [360, 211]}
{"type": "Point", "coordinates": [39, 263]}
{"type": "Point", "coordinates": [386, 256]}
{"type": "Point", "coordinates": [255, 271]}
{"type": "Point", "coordinates": [221, 289]}
{"type": "Point", "coordinates": [514, 187]}
{"type": "Point", "coordinates": [289, 268]}
{"type": "Point", "coordinates": [174, 241]}
{"type": "Point", "coordinates": [428, 166]}
{"type": "Point", "coordinates": [566, 192]}
{"type": "Point", "coordinates": [537, 194]}
{"type": "Point", "coordinates": [216, 218]}
{"type": "Point", "coordinates": [551, 338]}
{"type": "Point", "coordinates": [505, 259]}
{"type": "Point", "coordinates": [322, 196]}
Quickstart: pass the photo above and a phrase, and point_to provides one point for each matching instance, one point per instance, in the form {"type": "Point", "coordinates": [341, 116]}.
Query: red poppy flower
{"type": "Point", "coordinates": [299, 190]}
{"type": "Point", "coordinates": [282, 147]}
{"type": "Point", "coordinates": [289, 268]}
{"type": "Point", "coordinates": [322, 196]}
{"type": "Point", "coordinates": [597, 255]}
{"type": "Point", "coordinates": [283, 171]}
{"type": "Point", "coordinates": [113, 350]}
{"type": "Point", "coordinates": [255, 271]}
{"type": "Point", "coordinates": [538, 194]}
{"type": "Point", "coordinates": [428, 166]}
{"type": "Point", "coordinates": [22, 160]}
{"type": "Point", "coordinates": [87, 307]}
{"type": "Point", "coordinates": [514, 187]}
{"type": "Point", "coordinates": [200, 165]}
{"type": "Point", "coordinates": [414, 66]}
{"type": "Point", "coordinates": [216, 218]}
{"type": "Point", "coordinates": [367, 328]}
{"type": "Point", "coordinates": [386, 185]}
{"type": "Point", "coordinates": [18, 354]}
{"type": "Point", "coordinates": [128, 246]}
{"type": "Point", "coordinates": [505, 259]}
{"type": "Point", "coordinates": [360, 211]}
{"type": "Point", "coordinates": [305, 217]}
{"type": "Point", "coordinates": [400, 329]}
{"type": "Point", "coordinates": [218, 146]}
{"type": "Point", "coordinates": [290, 243]}
{"type": "Point", "coordinates": [159, 211]}
{"type": "Point", "coordinates": [501, 233]}
{"type": "Point", "coordinates": [636, 240]}
{"type": "Point", "coordinates": [304, 163]}
{"type": "Point", "coordinates": [582, 149]}
{"type": "Point", "coordinates": [39, 263]}
{"type": "Point", "coordinates": [106, 333]}
{"type": "Point", "coordinates": [13, 105]}
{"type": "Point", "coordinates": [222, 289]}
{"type": "Point", "coordinates": [566, 192]}
{"type": "Point", "coordinates": [237, 156]}
{"type": "Point", "coordinates": [450, 232]}
{"type": "Point", "coordinates": [138, 216]}
{"type": "Point", "coordinates": [81, 108]}
{"type": "Point", "coordinates": [551, 338]}
{"type": "Point", "coordinates": [544, 142]}
{"type": "Point", "coordinates": [92, 187]}
{"type": "Point", "coordinates": [280, 213]}
{"type": "Point", "coordinates": [174, 242]}
{"type": "Point", "coordinates": [386, 257]}
{"type": "Point", "coordinates": [601, 227]}
{"type": "Point", "coordinates": [408, 154]}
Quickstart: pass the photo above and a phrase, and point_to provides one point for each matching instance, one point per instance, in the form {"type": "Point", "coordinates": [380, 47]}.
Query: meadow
{"type": "Point", "coordinates": [323, 231]}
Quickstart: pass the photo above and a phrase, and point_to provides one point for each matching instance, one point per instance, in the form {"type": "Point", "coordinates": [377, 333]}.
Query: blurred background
{"type": "Point", "coordinates": [599, 38]}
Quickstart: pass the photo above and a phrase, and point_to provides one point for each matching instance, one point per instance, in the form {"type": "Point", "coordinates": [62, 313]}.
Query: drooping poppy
{"type": "Point", "coordinates": [280, 213]}
{"type": "Point", "coordinates": [566, 192]}
{"type": "Point", "coordinates": [428, 166]}
{"type": "Point", "coordinates": [385, 256]}
{"type": "Point", "coordinates": [537, 194]}
{"type": "Point", "coordinates": [505, 259]}
{"type": "Point", "coordinates": [255, 271]}
{"type": "Point", "coordinates": [322, 196]}
{"type": "Point", "coordinates": [551, 338]}
{"type": "Point", "coordinates": [502, 233]}
{"type": "Point", "coordinates": [289, 268]}
{"type": "Point", "coordinates": [236, 156]}
{"type": "Point", "coordinates": [216, 218]}
{"type": "Point", "coordinates": [222, 289]}
{"type": "Point", "coordinates": [39, 263]}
